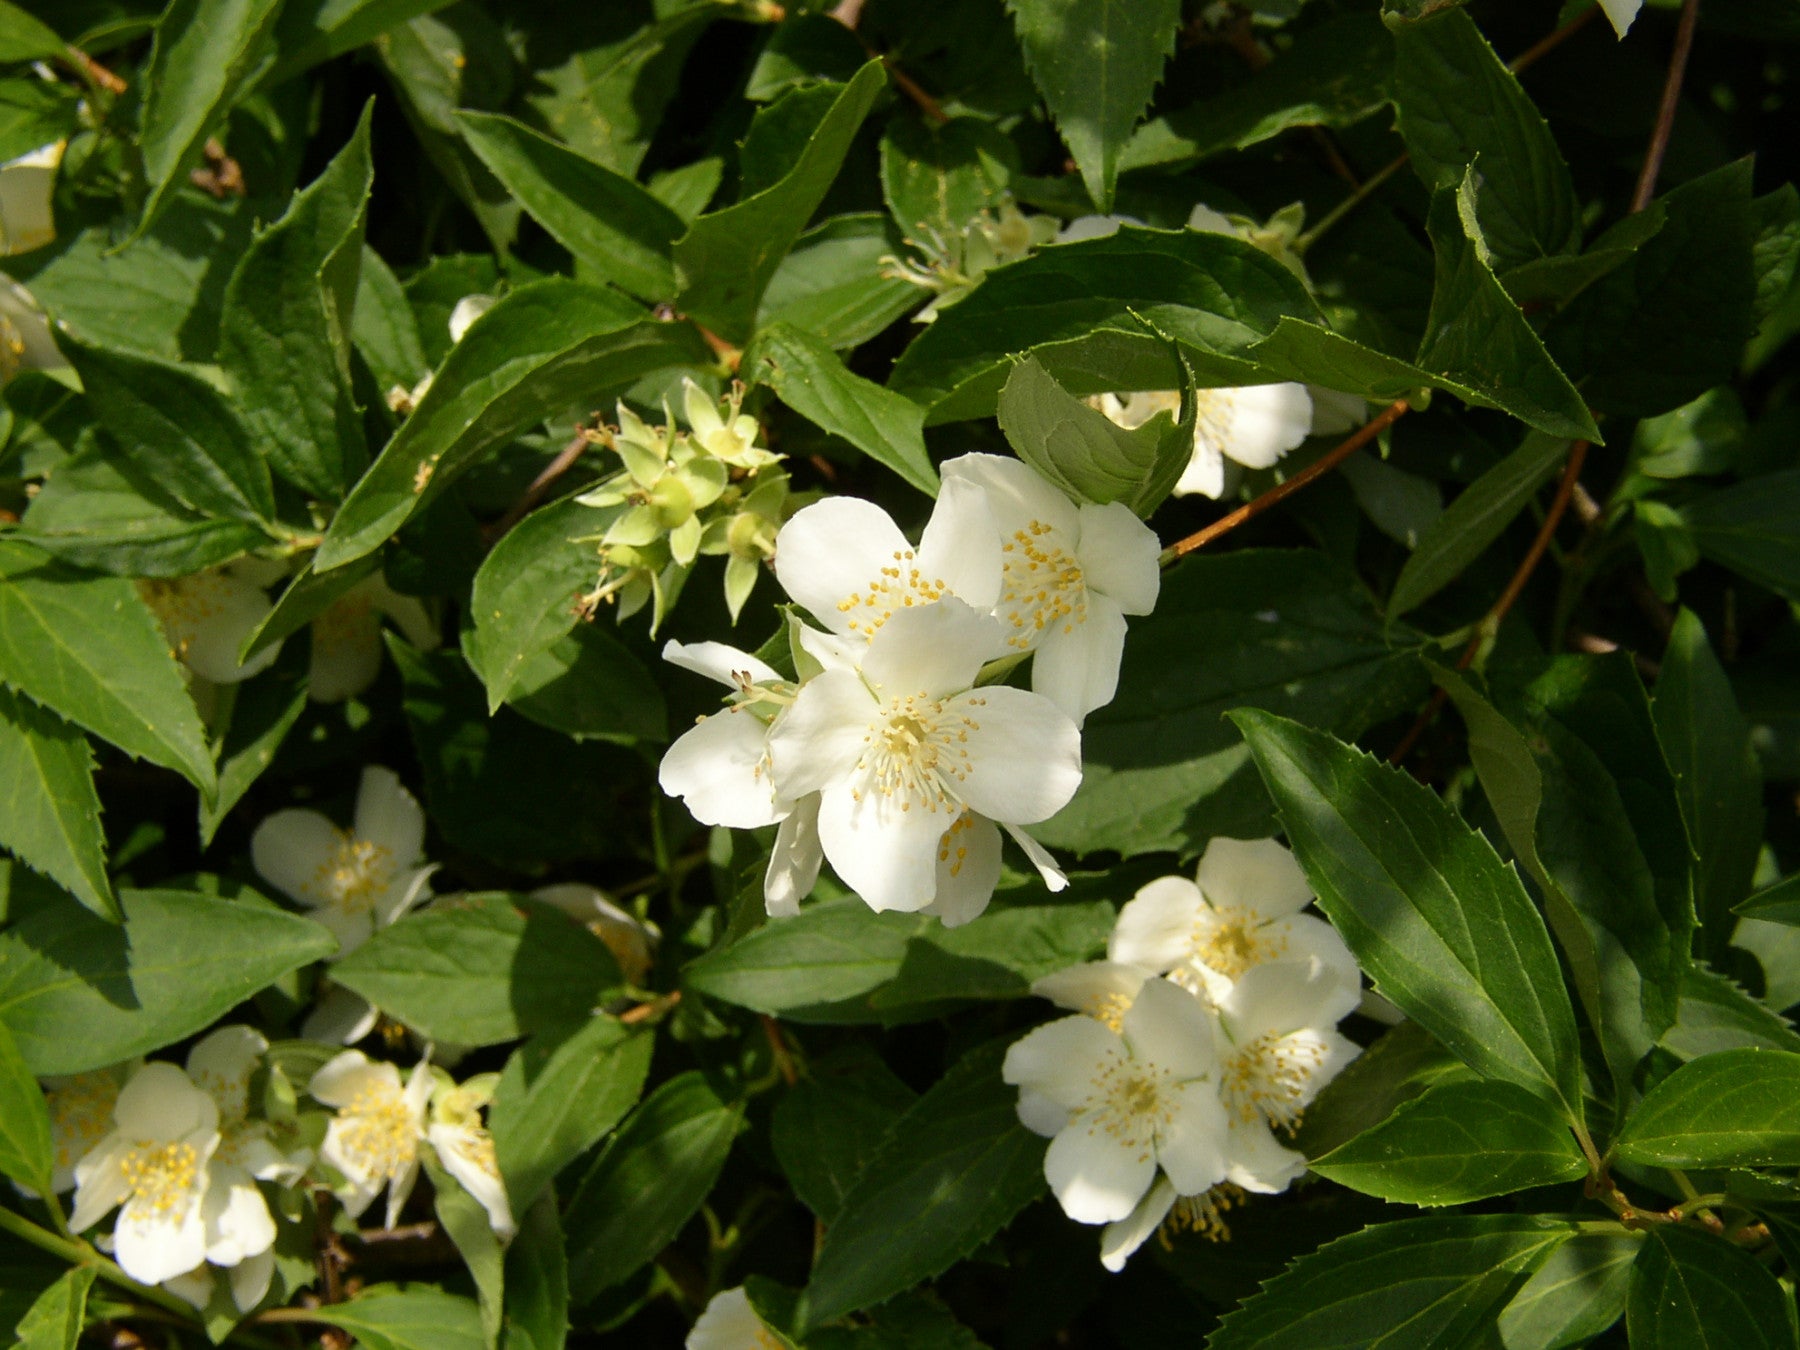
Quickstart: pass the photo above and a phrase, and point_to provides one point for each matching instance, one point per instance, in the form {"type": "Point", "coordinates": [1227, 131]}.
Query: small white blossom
{"type": "Point", "coordinates": [1243, 909]}
{"type": "Point", "coordinates": [373, 1140]}
{"type": "Point", "coordinates": [206, 616]}
{"type": "Point", "coordinates": [1253, 425]}
{"type": "Point", "coordinates": [465, 1149]}
{"type": "Point", "coordinates": [1120, 1106]}
{"type": "Point", "coordinates": [1069, 576]}
{"type": "Point", "coordinates": [346, 638]}
{"type": "Point", "coordinates": [466, 311]}
{"type": "Point", "coordinates": [81, 1115]}
{"type": "Point", "coordinates": [153, 1167]}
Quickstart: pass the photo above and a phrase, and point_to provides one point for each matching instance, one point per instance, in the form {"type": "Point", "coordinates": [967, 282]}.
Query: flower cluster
{"type": "Point", "coordinates": [1201, 1039]}
{"type": "Point", "coordinates": [180, 1152]}
{"type": "Point", "coordinates": [711, 489]}
{"type": "Point", "coordinates": [951, 265]}
{"type": "Point", "coordinates": [890, 754]}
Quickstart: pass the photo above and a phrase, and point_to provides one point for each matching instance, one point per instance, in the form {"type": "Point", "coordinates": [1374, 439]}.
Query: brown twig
{"type": "Point", "coordinates": [1550, 42]}
{"type": "Point", "coordinates": [910, 87]}
{"type": "Point", "coordinates": [645, 1011]}
{"type": "Point", "coordinates": [1490, 623]}
{"type": "Point", "coordinates": [96, 72]}
{"type": "Point", "coordinates": [784, 1060]}
{"type": "Point", "coordinates": [1665, 112]}
{"type": "Point", "coordinates": [1318, 469]}
{"type": "Point", "coordinates": [533, 494]}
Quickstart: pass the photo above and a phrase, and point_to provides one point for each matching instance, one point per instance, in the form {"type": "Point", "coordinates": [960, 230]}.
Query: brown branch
{"type": "Point", "coordinates": [1665, 112]}
{"type": "Point", "coordinates": [784, 1060]}
{"type": "Point", "coordinates": [1544, 46]}
{"type": "Point", "coordinates": [528, 499]}
{"type": "Point", "coordinates": [645, 1011]}
{"type": "Point", "coordinates": [1318, 469]}
{"type": "Point", "coordinates": [96, 72]}
{"type": "Point", "coordinates": [910, 87]}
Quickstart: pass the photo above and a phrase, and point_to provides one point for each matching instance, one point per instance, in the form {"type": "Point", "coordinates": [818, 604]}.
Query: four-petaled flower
{"type": "Point", "coordinates": [373, 1140]}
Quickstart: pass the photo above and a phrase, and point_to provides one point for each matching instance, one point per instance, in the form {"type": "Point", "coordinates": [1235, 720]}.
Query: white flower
{"type": "Point", "coordinates": [205, 618]}
{"type": "Point", "coordinates": [730, 1323]}
{"type": "Point", "coordinates": [1253, 425]}
{"type": "Point", "coordinates": [466, 1149]}
{"type": "Point", "coordinates": [26, 220]}
{"type": "Point", "coordinates": [81, 1115]}
{"type": "Point", "coordinates": [346, 638]}
{"type": "Point", "coordinates": [25, 341]}
{"type": "Point", "coordinates": [1244, 911]}
{"type": "Point", "coordinates": [900, 751]}
{"type": "Point", "coordinates": [1093, 227]}
{"type": "Point", "coordinates": [846, 561]}
{"type": "Point", "coordinates": [467, 310]}
{"type": "Point", "coordinates": [629, 940]}
{"type": "Point", "coordinates": [1104, 990]}
{"type": "Point", "coordinates": [1277, 1049]}
{"type": "Point", "coordinates": [1069, 576]}
{"type": "Point", "coordinates": [1120, 1106]}
{"type": "Point", "coordinates": [154, 1165]}
{"type": "Point", "coordinates": [1620, 13]}
{"type": "Point", "coordinates": [373, 1140]}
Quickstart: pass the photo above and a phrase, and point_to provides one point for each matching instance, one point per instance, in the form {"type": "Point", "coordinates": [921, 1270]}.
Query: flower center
{"type": "Point", "coordinates": [1269, 1076]}
{"type": "Point", "coordinates": [1231, 940]}
{"type": "Point", "coordinates": [917, 750]}
{"type": "Point", "coordinates": [378, 1131]}
{"type": "Point", "coordinates": [899, 586]}
{"type": "Point", "coordinates": [80, 1114]}
{"type": "Point", "coordinates": [161, 1177]}
{"type": "Point", "coordinates": [357, 873]}
{"type": "Point", "coordinates": [1203, 1214]}
{"type": "Point", "coordinates": [1131, 1103]}
{"type": "Point", "coordinates": [1041, 587]}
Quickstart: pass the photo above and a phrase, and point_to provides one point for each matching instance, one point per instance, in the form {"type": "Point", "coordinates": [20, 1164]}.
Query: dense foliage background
{"type": "Point", "coordinates": [326, 462]}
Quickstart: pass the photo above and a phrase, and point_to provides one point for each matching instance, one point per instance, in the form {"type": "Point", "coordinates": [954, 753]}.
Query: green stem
{"type": "Point", "coordinates": [78, 1253]}
{"type": "Point", "coordinates": [1349, 204]}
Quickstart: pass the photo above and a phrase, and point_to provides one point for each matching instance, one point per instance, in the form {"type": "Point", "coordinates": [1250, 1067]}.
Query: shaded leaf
{"type": "Point", "coordinates": [1693, 1291]}
{"type": "Point", "coordinates": [49, 811]}
{"type": "Point", "coordinates": [27, 1154]}
{"type": "Point", "coordinates": [1737, 1108]}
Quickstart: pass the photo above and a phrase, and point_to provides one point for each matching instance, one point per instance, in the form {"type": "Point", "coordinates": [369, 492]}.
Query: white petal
{"type": "Point", "coordinates": [222, 610]}
{"type": "Point", "coordinates": [1097, 1177]}
{"type": "Point", "coordinates": [460, 1151]}
{"type": "Point", "coordinates": [1172, 1029]}
{"type": "Point", "coordinates": [885, 854]}
{"type": "Point", "coordinates": [194, 1286]}
{"type": "Point", "coordinates": [162, 1103]}
{"type": "Point", "coordinates": [1278, 998]}
{"type": "Point", "coordinates": [467, 310]}
{"type": "Point", "coordinates": [1017, 495]}
{"type": "Point", "coordinates": [720, 768]}
{"type": "Point", "coordinates": [934, 650]}
{"type": "Point", "coordinates": [342, 1077]}
{"type": "Point", "coordinates": [728, 1323]}
{"type": "Point", "coordinates": [968, 869]}
{"type": "Point", "coordinates": [1334, 412]}
{"type": "Point", "coordinates": [961, 545]}
{"type": "Point", "coordinates": [410, 888]}
{"type": "Point", "coordinates": [99, 1182]}
{"type": "Point", "coordinates": [221, 1065]}
{"type": "Point", "coordinates": [351, 927]}
{"type": "Point", "coordinates": [237, 1218]}
{"type": "Point", "coordinates": [1076, 666]}
{"type": "Point", "coordinates": [1191, 1147]}
{"type": "Point", "coordinates": [346, 653]}
{"type": "Point", "coordinates": [821, 736]}
{"type": "Point", "coordinates": [1257, 1161]}
{"type": "Point", "coordinates": [1259, 875]}
{"type": "Point", "coordinates": [292, 851]}
{"type": "Point", "coordinates": [1209, 221]}
{"type": "Point", "coordinates": [1205, 472]}
{"type": "Point", "coordinates": [399, 1189]}
{"type": "Point", "coordinates": [1092, 227]}
{"type": "Point", "coordinates": [1620, 13]}
{"type": "Point", "coordinates": [794, 861]}
{"type": "Point", "coordinates": [1121, 1239]}
{"type": "Point", "coordinates": [389, 816]}
{"type": "Point", "coordinates": [828, 650]}
{"type": "Point", "coordinates": [250, 1279]}
{"type": "Point", "coordinates": [1093, 987]}
{"type": "Point", "coordinates": [1155, 929]}
{"type": "Point", "coordinates": [719, 661]}
{"type": "Point", "coordinates": [1311, 939]}
{"type": "Point", "coordinates": [26, 185]}
{"type": "Point", "coordinates": [1024, 755]}
{"type": "Point", "coordinates": [1052, 875]}
{"type": "Point", "coordinates": [1061, 1059]}
{"type": "Point", "coordinates": [1040, 1115]}
{"type": "Point", "coordinates": [835, 550]}
{"type": "Point", "coordinates": [1266, 421]}
{"type": "Point", "coordinates": [1118, 556]}
{"type": "Point", "coordinates": [408, 612]}
{"type": "Point", "coordinates": [340, 1018]}
{"type": "Point", "coordinates": [152, 1246]}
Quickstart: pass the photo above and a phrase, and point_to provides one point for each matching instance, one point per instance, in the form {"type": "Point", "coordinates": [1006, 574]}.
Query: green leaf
{"type": "Point", "coordinates": [482, 969]}
{"type": "Point", "coordinates": [1399, 1066]}
{"type": "Point", "coordinates": [1737, 1108]}
{"type": "Point", "coordinates": [263, 711]}
{"type": "Point", "coordinates": [1716, 776]}
{"type": "Point", "coordinates": [1672, 322]}
{"type": "Point", "coordinates": [1779, 903]}
{"type": "Point", "coordinates": [311, 32]}
{"type": "Point", "coordinates": [831, 283]}
{"type": "Point", "coordinates": [27, 1154]}
{"type": "Point", "coordinates": [1099, 313]}
{"type": "Point", "coordinates": [537, 1282]}
{"type": "Point", "coordinates": [955, 1169]}
{"type": "Point", "coordinates": [55, 1321]}
{"type": "Point", "coordinates": [938, 176]}
{"type": "Point", "coordinates": [1086, 454]}
{"type": "Point", "coordinates": [1775, 221]}
{"type": "Point", "coordinates": [1748, 527]}
{"type": "Point", "coordinates": [307, 596]}
{"type": "Point", "coordinates": [1458, 1143]}
{"type": "Point", "coordinates": [284, 338]}
{"type": "Point", "coordinates": [465, 1221]}
{"type": "Point", "coordinates": [541, 349]}
{"type": "Point", "coordinates": [1335, 74]}
{"type": "Point", "coordinates": [590, 685]}
{"type": "Point", "coordinates": [78, 993]}
{"type": "Point", "coordinates": [725, 261]}
{"type": "Point", "coordinates": [556, 1100]}
{"type": "Point", "coordinates": [1478, 337]}
{"type": "Point", "coordinates": [647, 1182]}
{"type": "Point", "coordinates": [182, 431]}
{"type": "Point", "coordinates": [33, 114]}
{"type": "Point", "coordinates": [615, 228]}
{"type": "Point", "coordinates": [1285, 630]}
{"type": "Point", "coordinates": [1460, 107]}
{"type": "Point", "coordinates": [1714, 1014]}
{"type": "Point", "coordinates": [87, 648]}
{"type": "Point", "coordinates": [909, 1321]}
{"type": "Point", "coordinates": [23, 38]}
{"type": "Point", "coordinates": [1695, 1291]}
{"type": "Point", "coordinates": [384, 329]}
{"type": "Point", "coordinates": [1478, 516]}
{"type": "Point", "coordinates": [49, 811]}
{"type": "Point", "coordinates": [407, 1317]}
{"type": "Point", "coordinates": [1574, 1296]}
{"type": "Point", "coordinates": [207, 53]}
{"type": "Point", "coordinates": [1418, 1282]}
{"type": "Point", "coordinates": [807, 375]}
{"type": "Point", "coordinates": [1096, 62]}
{"type": "Point", "coordinates": [804, 49]}
{"type": "Point", "coordinates": [830, 1124]}
{"type": "Point", "coordinates": [1442, 926]}
{"type": "Point", "coordinates": [98, 510]}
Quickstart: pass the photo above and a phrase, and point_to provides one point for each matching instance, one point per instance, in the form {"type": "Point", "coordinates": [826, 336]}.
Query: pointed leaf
{"type": "Point", "coordinates": [537, 1281]}
{"type": "Point", "coordinates": [1737, 1108]}
{"type": "Point", "coordinates": [1574, 1296]}
{"type": "Point", "coordinates": [49, 811]}
{"type": "Point", "coordinates": [1694, 1291]}
{"type": "Point", "coordinates": [27, 1154]}
{"type": "Point", "coordinates": [414, 1317]}
{"type": "Point", "coordinates": [55, 1321]}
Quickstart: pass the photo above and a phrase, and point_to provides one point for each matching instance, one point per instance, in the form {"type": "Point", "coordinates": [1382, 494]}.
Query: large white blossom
{"type": "Point", "coordinates": [153, 1168]}
{"type": "Point", "coordinates": [373, 1139]}
{"type": "Point", "coordinates": [1069, 576]}
{"type": "Point", "coordinates": [1121, 1106]}
{"type": "Point", "coordinates": [1243, 909]}
{"type": "Point", "coordinates": [900, 752]}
